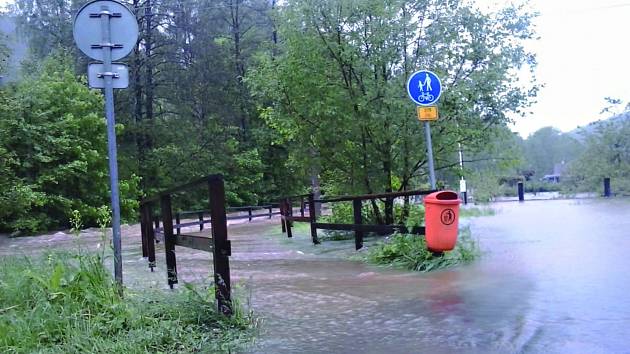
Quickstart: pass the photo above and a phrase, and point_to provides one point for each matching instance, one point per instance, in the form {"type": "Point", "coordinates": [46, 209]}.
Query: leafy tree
{"type": "Point", "coordinates": [274, 95]}
{"type": "Point", "coordinates": [5, 53]}
{"type": "Point", "coordinates": [334, 91]}
{"type": "Point", "coordinates": [547, 147]}
{"type": "Point", "coordinates": [53, 152]}
{"type": "Point", "coordinates": [48, 27]}
{"type": "Point", "coordinates": [606, 154]}
{"type": "Point", "coordinates": [500, 161]}
{"type": "Point", "coordinates": [187, 112]}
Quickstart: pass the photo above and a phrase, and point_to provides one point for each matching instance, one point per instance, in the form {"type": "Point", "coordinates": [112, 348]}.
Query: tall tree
{"type": "Point", "coordinates": [548, 147]}
{"type": "Point", "coordinates": [53, 152]}
{"type": "Point", "coordinates": [606, 154]}
{"type": "Point", "coordinates": [338, 86]}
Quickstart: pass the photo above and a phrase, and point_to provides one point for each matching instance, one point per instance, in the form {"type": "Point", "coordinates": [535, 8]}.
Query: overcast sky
{"type": "Point", "coordinates": [583, 57]}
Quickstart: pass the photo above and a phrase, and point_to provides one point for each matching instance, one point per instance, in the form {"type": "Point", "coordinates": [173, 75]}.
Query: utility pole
{"type": "Point", "coordinates": [462, 181]}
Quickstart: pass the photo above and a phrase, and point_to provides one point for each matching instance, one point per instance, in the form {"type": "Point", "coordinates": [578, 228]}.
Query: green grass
{"type": "Point", "coordinates": [66, 303]}
{"type": "Point", "coordinates": [332, 235]}
{"type": "Point", "coordinates": [410, 252]}
{"type": "Point", "coordinates": [474, 212]}
{"type": "Point", "coordinates": [301, 227]}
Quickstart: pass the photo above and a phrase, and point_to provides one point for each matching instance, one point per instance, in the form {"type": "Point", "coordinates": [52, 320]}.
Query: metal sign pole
{"type": "Point", "coordinates": [462, 181]}
{"type": "Point", "coordinates": [111, 140]}
{"type": "Point", "coordinates": [427, 133]}
{"type": "Point", "coordinates": [424, 89]}
{"type": "Point", "coordinates": [97, 37]}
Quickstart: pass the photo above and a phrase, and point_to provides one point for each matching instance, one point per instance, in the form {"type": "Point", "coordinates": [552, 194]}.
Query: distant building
{"type": "Point", "coordinates": [558, 171]}
{"type": "Point", "coordinates": [551, 178]}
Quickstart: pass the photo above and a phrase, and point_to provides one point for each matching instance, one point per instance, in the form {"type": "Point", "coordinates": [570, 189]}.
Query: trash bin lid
{"type": "Point", "coordinates": [443, 198]}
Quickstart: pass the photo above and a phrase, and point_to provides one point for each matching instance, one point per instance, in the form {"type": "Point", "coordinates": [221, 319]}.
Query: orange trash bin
{"type": "Point", "coordinates": [442, 220]}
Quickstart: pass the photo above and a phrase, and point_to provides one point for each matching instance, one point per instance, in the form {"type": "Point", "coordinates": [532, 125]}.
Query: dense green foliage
{"type": "Point", "coordinates": [582, 158]}
{"type": "Point", "coordinates": [187, 112]}
{"type": "Point", "coordinates": [336, 89]}
{"type": "Point", "coordinates": [471, 212]}
{"type": "Point", "coordinates": [548, 150]}
{"type": "Point", "coordinates": [343, 213]}
{"type": "Point", "coordinates": [410, 215]}
{"type": "Point", "coordinates": [606, 154]}
{"type": "Point", "coordinates": [69, 304]}
{"type": "Point", "coordinates": [53, 152]}
{"type": "Point", "coordinates": [283, 96]}
{"type": "Point", "coordinates": [410, 252]}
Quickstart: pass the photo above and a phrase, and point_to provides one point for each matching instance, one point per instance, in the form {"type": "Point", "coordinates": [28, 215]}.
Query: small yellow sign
{"type": "Point", "coordinates": [427, 113]}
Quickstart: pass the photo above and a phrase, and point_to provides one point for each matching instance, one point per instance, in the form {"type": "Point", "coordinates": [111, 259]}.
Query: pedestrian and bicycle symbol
{"type": "Point", "coordinates": [424, 88]}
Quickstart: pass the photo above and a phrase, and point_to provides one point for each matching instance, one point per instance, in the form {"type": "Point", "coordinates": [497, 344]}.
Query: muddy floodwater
{"type": "Point", "coordinates": [553, 278]}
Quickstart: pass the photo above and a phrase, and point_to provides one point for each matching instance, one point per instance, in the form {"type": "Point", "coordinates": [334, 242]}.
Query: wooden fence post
{"type": "Point", "coordinates": [169, 239]}
{"type": "Point", "coordinates": [150, 234]}
{"type": "Point", "coordinates": [358, 220]}
{"type": "Point", "coordinates": [143, 230]}
{"type": "Point", "coordinates": [313, 218]}
{"type": "Point", "coordinates": [282, 216]}
{"type": "Point", "coordinates": [289, 211]}
{"type": "Point", "coordinates": [221, 245]}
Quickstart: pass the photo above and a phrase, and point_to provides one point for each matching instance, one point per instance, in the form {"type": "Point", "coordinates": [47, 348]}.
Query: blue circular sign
{"type": "Point", "coordinates": [424, 88]}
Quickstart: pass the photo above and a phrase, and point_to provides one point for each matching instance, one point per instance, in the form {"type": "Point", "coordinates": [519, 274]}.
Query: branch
{"type": "Point", "coordinates": [475, 160]}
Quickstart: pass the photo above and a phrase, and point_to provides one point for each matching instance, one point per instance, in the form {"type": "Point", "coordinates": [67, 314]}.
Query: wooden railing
{"type": "Point", "coordinates": [218, 244]}
{"type": "Point", "coordinates": [201, 219]}
{"type": "Point", "coordinates": [359, 228]}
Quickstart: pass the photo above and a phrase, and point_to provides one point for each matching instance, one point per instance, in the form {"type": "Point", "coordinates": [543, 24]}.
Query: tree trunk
{"type": "Point", "coordinates": [148, 177]}
{"type": "Point", "coordinates": [315, 186]}
{"type": "Point", "coordinates": [239, 67]}
{"type": "Point", "coordinates": [389, 202]}
{"type": "Point", "coordinates": [143, 140]}
{"type": "Point", "coordinates": [148, 65]}
{"type": "Point", "coordinates": [366, 178]}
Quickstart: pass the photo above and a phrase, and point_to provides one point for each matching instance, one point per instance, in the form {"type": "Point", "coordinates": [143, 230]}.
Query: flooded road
{"type": "Point", "coordinates": [570, 258]}
{"type": "Point", "coordinates": [553, 279]}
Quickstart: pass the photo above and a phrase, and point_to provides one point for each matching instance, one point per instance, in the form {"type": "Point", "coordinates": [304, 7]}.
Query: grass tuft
{"type": "Point", "coordinates": [410, 252]}
{"type": "Point", "coordinates": [66, 303]}
{"type": "Point", "coordinates": [473, 212]}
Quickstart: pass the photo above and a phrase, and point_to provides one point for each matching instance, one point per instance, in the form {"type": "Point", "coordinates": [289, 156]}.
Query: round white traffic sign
{"type": "Point", "coordinates": [88, 28]}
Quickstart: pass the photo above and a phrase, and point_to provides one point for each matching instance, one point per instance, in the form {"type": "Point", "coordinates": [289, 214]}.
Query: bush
{"type": "Point", "coordinates": [53, 152]}
{"type": "Point", "coordinates": [473, 212]}
{"type": "Point", "coordinates": [67, 303]}
{"type": "Point", "coordinates": [410, 252]}
{"type": "Point", "coordinates": [541, 186]}
{"type": "Point", "coordinates": [343, 213]}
